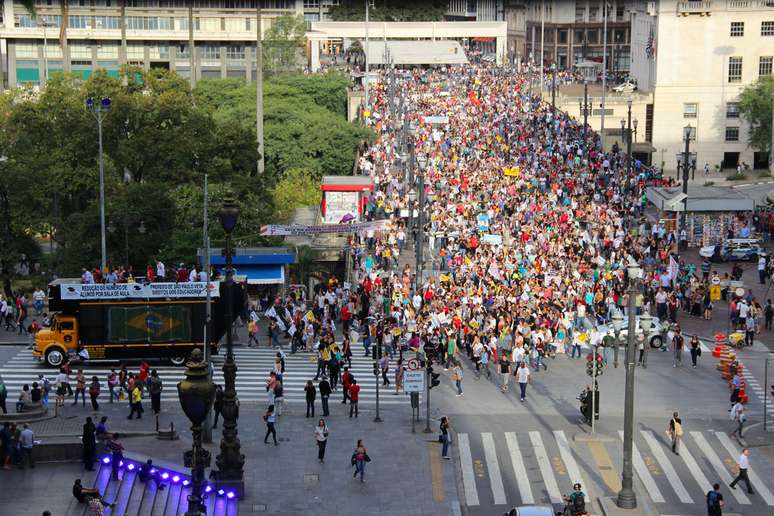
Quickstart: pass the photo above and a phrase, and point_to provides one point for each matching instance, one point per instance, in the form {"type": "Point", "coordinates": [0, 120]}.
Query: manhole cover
{"type": "Point", "coordinates": [311, 479]}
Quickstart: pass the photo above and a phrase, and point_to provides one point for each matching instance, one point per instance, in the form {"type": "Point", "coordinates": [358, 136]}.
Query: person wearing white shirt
{"type": "Point", "coordinates": [522, 377]}
{"type": "Point", "coordinates": [193, 275]}
{"type": "Point", "coordinates": [743, 463]}
{"type": "Point", "coordinates": [762, 269]}
{"type": "Point", "coordinates": [161, 270]}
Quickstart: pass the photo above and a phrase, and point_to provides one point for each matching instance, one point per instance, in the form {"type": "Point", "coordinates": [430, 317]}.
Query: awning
{"type": "Point", "coordinates": [261, 274]}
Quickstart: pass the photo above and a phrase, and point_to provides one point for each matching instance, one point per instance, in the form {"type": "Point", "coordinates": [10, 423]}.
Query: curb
{"type": "Point", "coordinates": [757, 183]}
{"type": "Point", "coordinates": [123, 434]}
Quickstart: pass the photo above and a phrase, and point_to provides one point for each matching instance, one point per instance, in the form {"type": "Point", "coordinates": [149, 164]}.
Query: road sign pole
{"type": "Point", "coordinates": [427, 429]}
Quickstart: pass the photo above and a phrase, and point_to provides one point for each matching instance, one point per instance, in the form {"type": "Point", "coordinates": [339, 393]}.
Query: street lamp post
{"type": "Point", "coordinates": [626, 130]}
{"type": "Point", "coordinates": [617, 327]}
{"type": "Point", "coordinates": [553, 87]}
{"type": "Point", "coordinates": [585, 116]}
{"type": "Point", "coordinates": [420, 242]}
{"type": "Point", "coordinates": [645, 323]}
{"type": "Point", "coordinates": [627, 499]}
{"type": "Point", "coordinates": [635, 129]}
{"type": "Point", "coordinates": [196, 394]}
{"type": "Point", "coordinates": [230, 462]}
{"type": "Point", "coordinates": [100, 110]}
{"type": "Point", "coordinates": [688, 135]}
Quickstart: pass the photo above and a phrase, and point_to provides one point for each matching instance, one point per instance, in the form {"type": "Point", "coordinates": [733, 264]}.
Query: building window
{"type": "Point", "coordinates": [690, 110]}
{"type": "Point", "coordinates": [25, 21]}
{"type": "Point", "coordinates": [737, 29]}
{"type": "Point", "coordinates": [764, 65]}
{"type": "Point", "coordinates": [580, 37]}
{"type": "Point", "coordinates": [50, 20]}
{"type": "Point", "coordinates": [78, 22]}
{"type": "Point", "coordinates": [210, 52]}
{"type": "Point", "coordinates": [235, 52]}
{"type": "Point", "coordinates": [313, 4]}
{"type": "Point", "coordinates": [147, 23]}
{"type": "Point", "coordinates": [563, 36]}
{"type": "Point", "coordinates": [767, 28]}
{"type": "Point", "coordinates": [183, 51]}
{"type": "Point", "coordinates": [592, 36]}
{"type": "Point", "coordinates": [735, 69]}
{"type": "Point", "coordinates": [732, 110]}
{"type": "Point", "coordinates": [732, 134]}
{"type": "Point", "coordinates": [106, 22]}
{"type": "Point", "coordinates": [183, 24]}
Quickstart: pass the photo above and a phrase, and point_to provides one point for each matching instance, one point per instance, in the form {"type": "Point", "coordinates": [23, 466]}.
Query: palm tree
{"type": "Point", "coordinates": [307, 264]}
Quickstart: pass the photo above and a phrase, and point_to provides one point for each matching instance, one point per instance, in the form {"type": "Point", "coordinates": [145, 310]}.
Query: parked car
{"type": "Point", "coordinates": [625, 87]}
{"type": "Point", "coordinates": [532, 510]}
{"type": "Point", "coordinates": [734, 249]}
{"type": "Point", "coordinates": [654, 334]}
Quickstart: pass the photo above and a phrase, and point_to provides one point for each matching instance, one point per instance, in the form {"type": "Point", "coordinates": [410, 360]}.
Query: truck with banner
{"type": "Point", "coordinates": [130, 320]}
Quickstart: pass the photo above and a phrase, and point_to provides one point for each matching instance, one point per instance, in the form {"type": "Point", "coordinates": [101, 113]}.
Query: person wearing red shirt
{"type": "Point", "coordinates": [354, 396]}
{"type": "Point", "coordinates": [346, 381]}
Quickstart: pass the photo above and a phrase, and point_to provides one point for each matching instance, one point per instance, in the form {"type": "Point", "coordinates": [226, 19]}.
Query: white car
{"type": "Point", "coordinates": [626, 87]}
{"type": "Point", "coordinates": [656, 340]}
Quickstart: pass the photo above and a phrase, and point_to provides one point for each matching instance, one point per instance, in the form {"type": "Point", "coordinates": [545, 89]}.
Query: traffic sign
{"type": "Point", "coordinates": [413, 364]}
{"type": "Point", "coordinates": [413, 381]}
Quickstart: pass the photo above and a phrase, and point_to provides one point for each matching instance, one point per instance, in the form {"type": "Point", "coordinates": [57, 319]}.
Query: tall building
{"type": "Point", "coordinates": [569, 31]}
{"type": "Point", "coordinates": [475, 10]}
{"type": "Point", "coordinates": [705, 52]}
{"type": "Point", "coordinates": [156, 36]}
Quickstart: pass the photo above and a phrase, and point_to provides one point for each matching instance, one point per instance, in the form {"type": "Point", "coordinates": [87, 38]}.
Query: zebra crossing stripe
{"type": "Point", "coordinates": [545, 468]}
{"type": "Point", "coordinates": [569, 461]}
{"type": "Point", "coordinates": [495, 478]}
{"type": "Point", "coordinates": [718, 466]}
{"type": "Point", "coordinates": [666, 466]}
{"type": "Point", "coordinates": [466, 462]}
{"type": "Point", "coordinates": [704, 484]}
{"type": "Point", "coordinates": [761, 488]}
{"type": "Point", "coordinates": [645, 477]}
{"type": "Point", "coordinates": [518, 467]}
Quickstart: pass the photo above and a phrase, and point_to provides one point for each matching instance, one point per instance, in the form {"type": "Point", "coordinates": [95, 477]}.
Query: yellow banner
{"type": "Point", "coordinates": [512, 172]}
{"type": "Point", "coordinates": [714, 292]}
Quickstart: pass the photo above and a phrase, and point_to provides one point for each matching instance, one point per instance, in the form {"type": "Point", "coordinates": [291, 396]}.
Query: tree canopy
{"type": "Point", "coordinates": [756, 102]}
{"type": "Point", "coordinates": [160, 138]}
{"type": "Point", "coordinates": [392, 10]}
{"type": "Point", "coordinates": [283, 42]}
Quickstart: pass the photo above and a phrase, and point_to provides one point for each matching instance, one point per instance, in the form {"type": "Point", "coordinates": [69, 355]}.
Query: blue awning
{"type": "Point", "coordinates": [261, 274]}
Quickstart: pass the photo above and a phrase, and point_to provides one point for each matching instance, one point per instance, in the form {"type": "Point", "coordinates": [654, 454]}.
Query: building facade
{"type": "Point", "coordinates": [569, 31]}
{"type": "Point", "coordinates": [157, 36]}
{"type": "Point", "coordinates": [707, 52]}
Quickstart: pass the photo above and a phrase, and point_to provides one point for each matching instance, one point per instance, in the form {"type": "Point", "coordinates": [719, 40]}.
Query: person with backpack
{"type": "Point", "coordinates": [715, 501]}
{"type": "Point", "coordinates": [675, 432]}
{"type": "Point", "coordinates": [45, 387]}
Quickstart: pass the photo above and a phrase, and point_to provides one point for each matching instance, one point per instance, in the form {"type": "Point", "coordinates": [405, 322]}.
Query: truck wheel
{"type": "Point", "coordinates": [656, 342]}
{"type": "Point", "coordinates": [177, 361]}
{"type": "Point", "coordinates": [55, 357]}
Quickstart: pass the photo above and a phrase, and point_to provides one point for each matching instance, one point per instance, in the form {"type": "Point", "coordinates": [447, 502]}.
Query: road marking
{"type": "Point", "coordinates": [704, 484]}
{"type": "Point", "coordinates": [645, 477]}
{"type": "Point", "coordinates": [605, 466]}
{"type": "Point", "coordinates": [545, 468]}
{"type": "Point", "coordinates": [525, 493]}
{"type": "Point", "coordinates": [495, 479]}
{"type": "Point", "coordinates": [718, 466]}
{"type": "Point", "coordinates": [436, 472]}
{"type": "Point", "coordinates": [666, 467]}
{"type": "Point", "coordinates": [754, 478]}
{"type": "Point", "coordinates": [466, 461]}
{"type": "Point", "coordinates": [569, 461]}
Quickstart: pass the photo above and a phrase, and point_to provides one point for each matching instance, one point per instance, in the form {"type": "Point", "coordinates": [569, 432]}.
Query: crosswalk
{"type": "Point", "coordinates": [537, 467]}
{"type": "Point", "coordinates": [253, 366]}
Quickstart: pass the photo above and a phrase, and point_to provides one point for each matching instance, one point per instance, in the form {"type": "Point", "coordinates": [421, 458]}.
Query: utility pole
{"type": "Point", "coordinates": [207, 430]}
{"type": "Point", "coordinates": [365, 55]}
{"type": "Point", "coordinates": [420, 231]}
{"type": "Point", "coordinates": [191, 48]}
{"type": "Point", "coordinates": [604, 70]}
{"type": "Point", "coordinates": [542, 42]}
{"type": "Point", "coordinates": [627, 498]}
{"type": "Point", "coordinates": [686, 158]}
{"type": "Point", "coordinates": [259, 87]}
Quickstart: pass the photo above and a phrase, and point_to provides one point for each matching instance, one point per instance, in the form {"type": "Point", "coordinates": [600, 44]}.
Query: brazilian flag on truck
{"type": "Point", "coordinates": [149, 323]}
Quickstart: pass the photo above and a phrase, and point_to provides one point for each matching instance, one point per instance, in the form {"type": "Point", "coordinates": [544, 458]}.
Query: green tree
{"type": "Point", "coordinates": [390, 10]}
{"type": "Point", "coordinates": [307, 264]}
{"type": "Point", "coordinates": [756, 102]}
{"type": "Point", "coordinates": [283, 43]}
{"type": "Point", "coordinates": [296, 189]}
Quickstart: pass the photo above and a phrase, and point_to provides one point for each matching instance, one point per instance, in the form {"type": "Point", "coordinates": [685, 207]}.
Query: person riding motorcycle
{"type": "Point", "coordinates": [576, 502]}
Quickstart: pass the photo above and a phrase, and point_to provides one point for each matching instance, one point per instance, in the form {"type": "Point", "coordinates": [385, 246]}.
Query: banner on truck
{"type": "Point", "coordinates": [194, 289]}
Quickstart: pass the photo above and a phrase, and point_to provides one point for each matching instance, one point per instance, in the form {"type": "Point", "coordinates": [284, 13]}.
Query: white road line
{"type": "Point", "coordinates": [468, 477]}
{"type": "Point", "coordinates": [525, 493]}
{"type": "Point", "coordinates": [704, 484]}
{"type": "Point", "coordinates": [644, 474]}
{"type": "Point", "coordinates": [569, 461]}
{"type": "Point", "coordinates": [754, 478]}
{"type": "Point", "coordinates": [545, 468]}
{"type": "Point", "coordinates": [666, 466]}
{"type": "Point", "coordinates": [495, 478]}
{"type": "Point", "coordinates": [718, 466]}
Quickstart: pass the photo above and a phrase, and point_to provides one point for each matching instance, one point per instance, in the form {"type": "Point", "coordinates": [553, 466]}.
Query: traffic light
{"type": "Point", "coordinates": [433, 377]}
{"type": "Point", "coordinates": [374, 354]}
{"type": "Point", "coordinates": [600, 364]}
{"type": "Point", "coordinates": [376, 369]}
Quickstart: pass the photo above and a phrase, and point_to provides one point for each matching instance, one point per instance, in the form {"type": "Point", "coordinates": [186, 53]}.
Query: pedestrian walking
{"type": "Point", "coordinates": [321, 437]}
{"type": "Point", "coordinates": [155, 386]}
{"type": "Point", "coordinates": [80, 387]}
{"type": "Point", "coordinates": [739, 416]}
{"type": "Point", "coordinates": [677, 347]}
{"type": "Point", "coordinates": [445, 437]}
{"type": "Point", "coordinates": [3, 396]}
{"type": "Point", "coordinates": [354, 397]}
{"type": "Point", "coordinates": [135, 402]}
{"type": "Point", "coordinates": [675, 432]}
{"type": "Point", "coordinates": [45, 387]}
{"type": "Point", "coordinates": [399, 372]}
{"type": "Point", "coordinates": [523, 377]}
{"type": "Point", "coordinates": [735, 386]}
{"type": "Point", "coordinates": [279, 397]}
{"type": "Point", "coordinates": [325, 393]}
{"type": "Point", "coordinates": [26, 444]}
{"type": "Point", "coordinates": [89, 440]}
{"type": "Point", "coordinates": [457, 377]}
{"type": "Point", "coordinates": [384, 365]}
{"type": "Point", "coordinates": [311, 394]}
{"type": "Point", "coordinates": [271, 418]}
{"type": "Point", "coordinates": [742, 464]}
{"type": "Point", "coordinates": [359, 459]}
{"type": "Point", "coordinates": [346, 382]}
{"type": "Point", "coordinates": [695, 350]}
{"type": "Point", "coordinates": [715, 501]}
{"type": "Point", "coordinates": [116, 450]}
{"type": "Point", "coordinates": [505, 372]}
{"type": "Point", "coordinates": [94, 392]}
{"type": "Point", "coordinates": [217, 406]}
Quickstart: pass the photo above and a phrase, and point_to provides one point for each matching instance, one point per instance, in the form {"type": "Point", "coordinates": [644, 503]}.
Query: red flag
{"type": "Point", "coordinates": [473, 99]}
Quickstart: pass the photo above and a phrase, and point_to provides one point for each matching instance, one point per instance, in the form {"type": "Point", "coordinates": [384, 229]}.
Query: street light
{"type": "Point", "coordinates": [646, 321]}
{"type": "Point", "coordinates": [100, 110]}
{"type": "Point", "coordinates": [617, 327]}
{"type": "Point", "coordinates": [689, 133]}
{"type": "Point", "coordinates": [553, 87]}
{"type": "Point", "coordinates": [627, 499]}
{"type": "Point", "coordinates": [635, 129]}
{"type": "Point", "coordinates": [196, 394]}
{"type": "Point", "coordinates": [420, 240]}
{"type": "Point", "coordinates": [230, 461]}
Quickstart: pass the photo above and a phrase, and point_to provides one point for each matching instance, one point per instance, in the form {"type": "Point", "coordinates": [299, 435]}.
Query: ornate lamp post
{"type": "Point", "coordinates": [100, 110]}
{"type": "Point", "coordinates": [646, 321]}
{"type": "Point", "coordinates": [617, 327]}
{"type": "Point", "coordinates": [196, 394]}
{"type": "Point", "coordinates": [230, 461]}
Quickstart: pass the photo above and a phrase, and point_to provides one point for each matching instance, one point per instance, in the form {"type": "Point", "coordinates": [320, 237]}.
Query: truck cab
{"type": "Point", "coordinates": [54, 343]}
